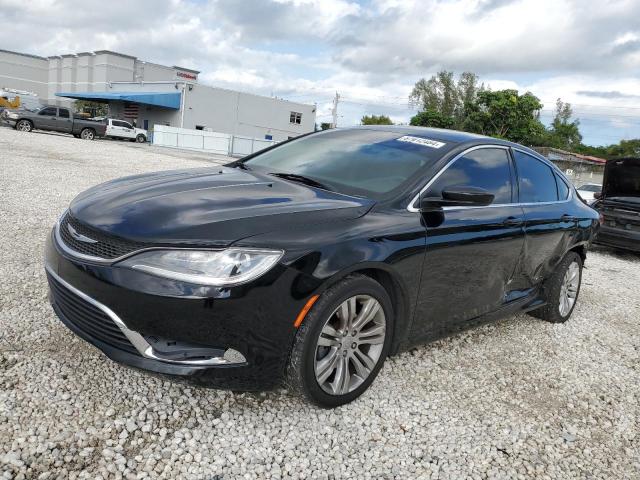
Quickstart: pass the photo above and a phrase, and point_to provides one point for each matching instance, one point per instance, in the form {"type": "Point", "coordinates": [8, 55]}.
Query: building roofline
{"type": "Point", "coordinates": [111, 52]}
{"type": "Point", "coordinates": [190, 70]}
{"type": "Point", "coordinates": [84, 54]}
{"type": "Point", "coordinates": [23, 54]}
{"type": "Point", "coordinates": [68, 55]}
{"type": "Point", "coordinates": [155, 64]}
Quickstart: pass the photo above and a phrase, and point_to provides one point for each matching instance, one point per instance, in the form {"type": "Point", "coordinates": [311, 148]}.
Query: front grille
{"type": "Point", "coordinates": [106, 246]}
{"type": "Point", "coordinates": [87, 317]}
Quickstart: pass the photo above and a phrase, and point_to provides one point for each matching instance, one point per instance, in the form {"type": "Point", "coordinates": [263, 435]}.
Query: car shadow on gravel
{"type": "Point", "coordinates": [618, 253]}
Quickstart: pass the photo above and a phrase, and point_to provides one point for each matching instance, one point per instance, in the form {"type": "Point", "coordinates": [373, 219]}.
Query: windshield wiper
{"type": "Point", "coordinates": [301, 179]}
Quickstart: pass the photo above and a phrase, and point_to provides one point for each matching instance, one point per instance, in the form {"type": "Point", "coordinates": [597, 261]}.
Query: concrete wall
{"type": "Point", "coordinates": [81, 72]}
{"type": "Point", "coordinates": [224, 111]}
{"type": "Point", "coordinates": [24, 72]}
{"type": "Point", "coordinates": [214, 109]}
{"type": "Point", "coordinates": [239, 113]}
{"type": "Point", "coordinates": [581, 173]}
{"type": "Point", "coordinates": [152, 72]}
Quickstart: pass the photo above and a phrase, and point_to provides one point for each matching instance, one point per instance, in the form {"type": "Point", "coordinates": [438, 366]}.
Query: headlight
{"type": "Point", "coordinates": [11, 115]}
{"type": "Point", "coordinates": [216, 268]}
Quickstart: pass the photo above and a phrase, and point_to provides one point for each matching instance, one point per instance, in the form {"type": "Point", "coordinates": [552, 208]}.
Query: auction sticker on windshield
{"type": "Point", "coordinates": [426, 142]}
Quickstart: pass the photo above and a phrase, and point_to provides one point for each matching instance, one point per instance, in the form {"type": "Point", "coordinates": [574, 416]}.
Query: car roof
{"type": "Point", "coordinates": [445, 135]}
{"type": "Point", "coordinates": [453, 137]}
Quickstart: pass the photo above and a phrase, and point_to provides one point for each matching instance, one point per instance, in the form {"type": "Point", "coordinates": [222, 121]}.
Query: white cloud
{"type": "Point", "coordinates": [371, 53]}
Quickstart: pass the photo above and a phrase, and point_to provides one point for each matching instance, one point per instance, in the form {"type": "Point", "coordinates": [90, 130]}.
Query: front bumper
{"type": "Point", "coordinates": [119, 310]}
{"type": "Point", "coordinates": [618, 238]}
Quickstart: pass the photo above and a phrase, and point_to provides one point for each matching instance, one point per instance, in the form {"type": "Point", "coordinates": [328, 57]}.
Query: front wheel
{"type": "Point", "coordinates": [141, 139]}
{"type": "Point", "coordinates": [87, 134]}
{"type": "Point", "coordinates": [343, 342]}
{"type": "Point", "coordinates": [24, 126]}
{"type": "Point", "coordinates": [562, 290]}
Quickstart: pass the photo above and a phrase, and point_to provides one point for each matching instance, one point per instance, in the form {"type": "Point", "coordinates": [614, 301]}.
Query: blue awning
{"type": "Point", "coordinates": [158, 99]}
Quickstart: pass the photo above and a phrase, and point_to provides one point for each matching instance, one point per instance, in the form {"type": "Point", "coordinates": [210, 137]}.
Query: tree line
{"type": "Point", "coordinates": [463, 103]}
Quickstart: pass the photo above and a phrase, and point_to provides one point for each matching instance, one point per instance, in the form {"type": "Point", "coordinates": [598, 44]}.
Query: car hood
{"type": "Point", "coordinates": [213, 206]}
{"type": "Point", "coordinates": [622, 180]}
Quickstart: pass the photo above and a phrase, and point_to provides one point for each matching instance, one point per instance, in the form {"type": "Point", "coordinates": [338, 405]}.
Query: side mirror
{"type": "Point", "coordinates": [467, 196]}
{"type": "Point", "coordinates": [597, 195]}
{"type": "Point", "coordinates": [457, 196]}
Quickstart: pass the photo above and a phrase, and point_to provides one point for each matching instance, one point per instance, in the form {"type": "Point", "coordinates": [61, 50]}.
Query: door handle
{"type": "Point", "coordinates": [512, 222]}
{"type": "Point", "coordinates": [568, 218]}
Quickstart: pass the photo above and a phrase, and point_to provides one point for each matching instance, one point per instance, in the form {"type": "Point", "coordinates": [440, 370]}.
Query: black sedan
{"type": "Point", "coordinates": [312, 261]}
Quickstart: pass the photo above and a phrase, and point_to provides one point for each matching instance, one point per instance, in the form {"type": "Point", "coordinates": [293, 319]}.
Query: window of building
{"type": "Point", "coordinates": [486, 168]}
{"type": "Point", "coordinates": [535, 179]}
{"type": "Point", "coordinates": [200, 127]}
{"type": "Point", "coordinates": [295, 117]}
{"type": "Point", "coordinates": [63, 113]}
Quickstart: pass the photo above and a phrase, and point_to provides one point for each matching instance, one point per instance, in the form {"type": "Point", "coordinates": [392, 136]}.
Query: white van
{"type": "Point", "coordinates": [123, 129]}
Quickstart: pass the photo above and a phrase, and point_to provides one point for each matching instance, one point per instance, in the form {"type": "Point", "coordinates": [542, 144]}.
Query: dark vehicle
{"type": "Point", "coordinates": [619, 204]}
{"type": "Point", "coordinates": [55, 119]}
{"type": "Point", "coordinates": [312, 261]}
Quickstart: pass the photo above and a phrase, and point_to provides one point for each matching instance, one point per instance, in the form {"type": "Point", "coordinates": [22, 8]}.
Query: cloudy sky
{"type": "Point", "coordinates": [371, 52]}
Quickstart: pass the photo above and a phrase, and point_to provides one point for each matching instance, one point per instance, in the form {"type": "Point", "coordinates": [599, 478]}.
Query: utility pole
{"type": "Point", "coordinates": [334, 111]}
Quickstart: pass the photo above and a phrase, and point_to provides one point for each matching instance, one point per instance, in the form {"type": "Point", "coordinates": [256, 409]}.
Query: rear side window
{"type": "Point", "coordinates": [63, 113]}
{"type": "Point", "coordinates": [563, 189]}
{"type": "Point", "coordinates": [486, 168]}
{"type": "Point", "coordinates": [536, 179]}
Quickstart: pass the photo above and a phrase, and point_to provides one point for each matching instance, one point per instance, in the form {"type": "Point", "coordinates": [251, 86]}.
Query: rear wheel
{"type": "Point", "coordinates": [562, 290]}
{"type": "Point", "coordinates": [343, 342]}
{"type": "Point", "coordinates": [24, 126]}
{"type": "Point", "coordinates": [88, 134]}
{"type": "Point", "coordinates": [141, 138]}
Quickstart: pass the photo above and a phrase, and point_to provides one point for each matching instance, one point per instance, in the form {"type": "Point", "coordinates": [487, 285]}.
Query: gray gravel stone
{"type": "Point", "coordinates": [517, 399]}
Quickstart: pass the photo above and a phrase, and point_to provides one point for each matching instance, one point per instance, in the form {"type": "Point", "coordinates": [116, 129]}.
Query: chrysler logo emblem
{"type": "Point", "coordinates": [78, 236]}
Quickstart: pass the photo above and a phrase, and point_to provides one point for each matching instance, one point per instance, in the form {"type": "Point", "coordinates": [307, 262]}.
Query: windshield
{"type": "Point", "coordinates": [369, 163]}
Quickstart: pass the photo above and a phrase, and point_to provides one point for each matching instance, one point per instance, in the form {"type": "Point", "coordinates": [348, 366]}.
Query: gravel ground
{"type": "Point", "coordinates": [516, 399]}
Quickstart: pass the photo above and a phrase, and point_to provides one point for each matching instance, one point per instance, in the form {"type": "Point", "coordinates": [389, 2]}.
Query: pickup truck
{"type": "Point", "coordinates": [55, 119]}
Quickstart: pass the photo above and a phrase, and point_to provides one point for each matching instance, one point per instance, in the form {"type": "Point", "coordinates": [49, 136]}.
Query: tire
{"type": "Point", "coordinates": [141, 138]}
{"type": "Point", "coordinates": [315, 370]}
{"type": "Point", "coordinates": [88, 134]}
{"type": "Point", "coordinates": [557, 289]}
{"type": "Point", "coordinates": [24, 125]}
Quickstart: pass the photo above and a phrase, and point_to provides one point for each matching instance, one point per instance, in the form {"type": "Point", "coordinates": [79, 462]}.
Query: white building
{"type": "Point", "coordinates": [153, 94]}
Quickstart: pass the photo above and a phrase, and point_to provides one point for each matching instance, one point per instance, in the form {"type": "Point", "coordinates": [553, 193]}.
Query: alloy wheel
{"type": "Point", "coordinates": [350, 345]}
{"type": "Point", "coordinates": [24, 126]}
{"type": "Point", "coordinates": [569, 289]}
